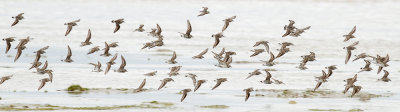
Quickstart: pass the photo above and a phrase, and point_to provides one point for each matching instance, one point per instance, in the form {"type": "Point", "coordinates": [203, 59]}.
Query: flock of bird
{"type": "Point", "coordinates": [224, 58]}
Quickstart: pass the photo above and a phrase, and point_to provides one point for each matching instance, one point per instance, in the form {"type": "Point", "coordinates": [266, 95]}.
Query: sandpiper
{"type": "Point", "coordinates": [70, 25]}
{"type": "Point", "coordinates": [17, 19]}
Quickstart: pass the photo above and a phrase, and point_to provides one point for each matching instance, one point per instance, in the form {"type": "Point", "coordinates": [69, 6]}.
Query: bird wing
{"type": "Point", "coordinates": [222, 52]}
{"type": "Point", "coordinates": [386, 59]}
{"type": "Point", "coordinates": [348, 56]}
{"type": "Point", "coordinates": [20, 14]}
{"type": "Point", "coordinates": [271, 57]}
{"type": "Point", "coordinates": [173, 56]}
{"type": "Point", "coordinates": [75, 21]}
{"type": "Point", "coordinates": [43, 82]}
{"type": "Point", "coordinates": [123, 64]}
{"type": "Point", "coordinates": [45, 65]}
{"type": "Point", "coordinates": [352, 31]}
{"type": "Point", "coordinates": [247, 96]}
{"type": "Point", "coordinates": [198, 84]}
{"type": "Point", "coordinates": [19, 52]}
{"type": "Point", "coordinates": [93, 64]}
{"type": "Point", "coordinates": [229, 61]}
{"type": "Point", "coordinates": [318, 85]}
{"type": "Point", "coordinates": [216, 85]}
{"type": "Point", "coordinates": [116, 27]}
{"type": "Point", "coordinates": [189, 28]}
{"type": "Point", "coordinates": [142, 84]}
{"type": "Point", "coordinates": [257, 43]}
{"type": "Point", "coordinates": [216, 42]}
{"type": "Point", "coordinates": [98, 65]}
{"type": "Point", "coordinates": [89, 35]}
{"type": "Point", "coordinates": [69, 53]}
{"type": "Point", "coordinates": [367, 63]}
{"type": "Point", "coordinates": [354, 44]}
{"type": "Point", "coordinates": [202, 13]}
{"type": "Point", "coordinates": [268, 75]}
{"type": "Point", "coordinates": [8, 47]}
{"type": "Point", "coordinates": [15, 22]}
{"type": "Point", "coordinates": [158, 30]}
{"type": "Point", "coordinates": [354, 79]}
{"type": "Point", "coordinates": [50, 76]}
{"type": "Point", "coordinates": [379, 69]}
{"type": "Point", "coordinates": [355, 90]}
{"type": "Point", "coordinates": [114, 58]}
{"type": "Point", "coordinates": [324, 74]}
{"type": "Point", "coordinates": [69, 28]}
{"type": "Point", "coordinates": [225, 25]}
{"type": "Point", "coordinates": [108, 68]}
{"type": "Point", "coordinates": [249, 76]}
{"type": "Point", "coordinates": [184, 94]}
{"type": "Point", "coordinates": [386, 74]}
{"type": "Point", "coordinates": [163, 83]}
{"type": "Point", "coordinates": [2, 80]}
{"type": "Point", "coordinates": [194, 80]}
{"type": "Point", "coordinates": [267, 48]}
{"type": "Point", "coordinates": [286, 33]}
{"type": "Point", "coordinates": [106, 48]}
{"type": "Point", "coordinates": [177, 69]}
{"type": "Point", "coordinates": [204, 52]}
{"type": "Point", "coordinates": [44, 48]}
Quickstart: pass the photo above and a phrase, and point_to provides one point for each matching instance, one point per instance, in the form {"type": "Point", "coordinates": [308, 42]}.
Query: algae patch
{"type": "Point", "coordinates": [215, 106]}
{"type": "Point", "coordinates": [292, 102]}
{"type": "Point", "coordinates": [355, 110]}
{"type": "Point", "coordinates": [330, 110]}
{"type": "Point", "coordinates": [76, 88]}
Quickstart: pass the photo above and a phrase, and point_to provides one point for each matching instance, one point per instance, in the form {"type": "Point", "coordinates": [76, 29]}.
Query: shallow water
{"type": "Point", "coordinates": [377, 31]}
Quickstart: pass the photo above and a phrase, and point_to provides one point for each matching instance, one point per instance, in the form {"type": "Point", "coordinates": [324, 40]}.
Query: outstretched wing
{"type": "Point", "coordinates": [173, 56]}
{"type": "Point", "coordinates": [75, 21]}
{"type": "Point", "coordinates": [69, 28]}
{"type": "Point", "coordinates": [247, 96]}
{"type": "Point", "coordinates": [123, 64]}
{"type": "Point", "coordinates": [108, 68]}
{"type": "Point", "coordinates": [386, 74]}
{"type": "Point", "coordinates": [42, 84]}
{"type": "Point", "coordinates": [225, 25]}
{"type": "Point", "coordinates": [19, 52]}
{"type": "Point", "coordinates": [204, 52]}
{"type": "Point", "coordinates": [8, 47]}
{"type": "Point", "coordinates": [69, 53]}
{"type": "Point", "coordinates": [45, 65]}
{"type": "Point", "coordinates": [163, 83]}
{"type": "Point", "coordinates": [142, 84]}
{"type": "Point", "coordinates": [268, 75]}
{"type": "Point", "coordinates": [158, 30]}
{"type": "Point", "coordinates": [348, 56]}
{"type": "Point", "coordinates": [114, 58]}
{"type": "Point", "coordinates": [15, 22]}
{"type": "Point", "coordinates": [216, 42]}
{"type": "Point", "coordinates": [44, 48]}
{"type": "Point", "coordinates": [116, 27]}
{"type": "Point", "coordinates": [89, 36]}
{"type": "Point", "coordinates": [222, 52]}
{"type": "Point", "coordinates": [183, 96]}
{"type": "Point", "coordinates": [354, 44]}
{"type": "Point", "coordinates": [352, 30]}
{"type": "Point", "coordinates": [189, 28]}
{"type": "Point", "coordinates": [271, 57]}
